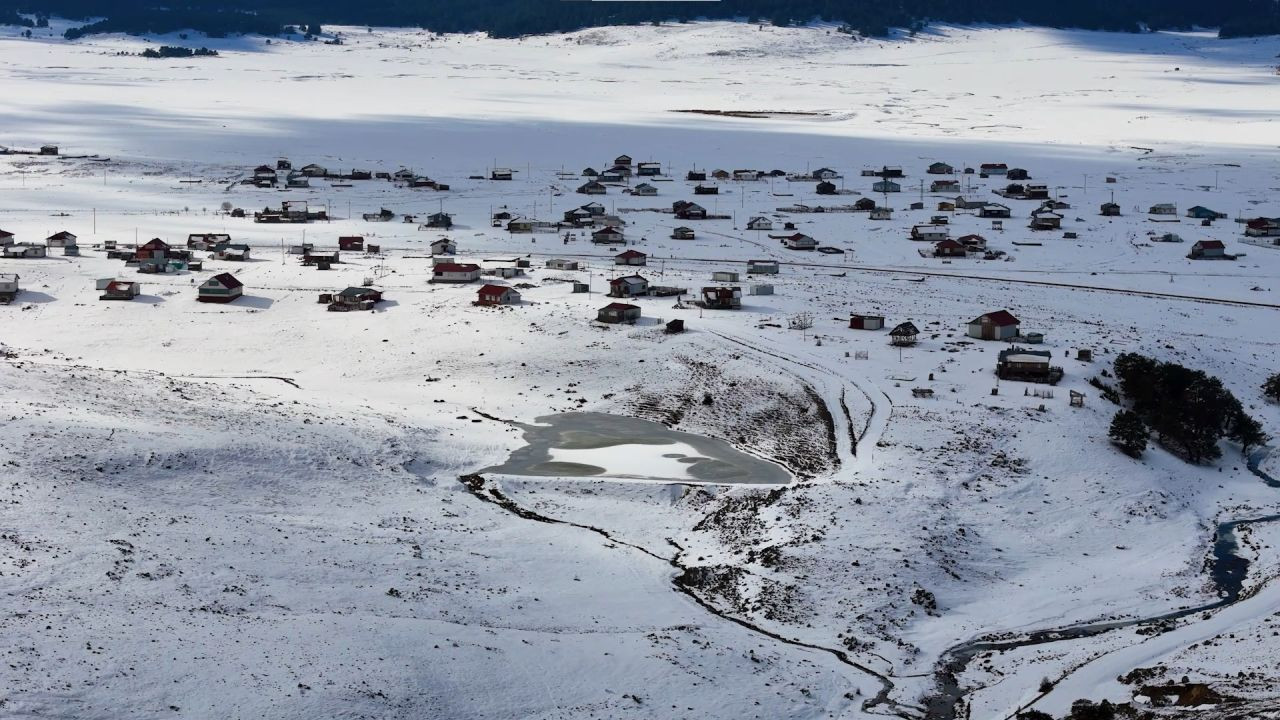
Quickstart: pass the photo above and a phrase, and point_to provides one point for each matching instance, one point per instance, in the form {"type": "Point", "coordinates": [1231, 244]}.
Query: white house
{"type": "Point", "coordinates": [455, 273]}
{"type": "Point", "coordinates": [628, 286]}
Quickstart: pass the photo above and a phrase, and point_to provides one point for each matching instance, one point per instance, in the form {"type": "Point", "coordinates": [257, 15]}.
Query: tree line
{"type": "Point", "coordinates": [1187, 411]}
{"type": "Point", "coordinates": [513, 18]}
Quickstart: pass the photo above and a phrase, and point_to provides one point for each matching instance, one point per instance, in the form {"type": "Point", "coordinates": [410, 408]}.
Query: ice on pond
{"type": "Point", "coordinates": [614, 446]}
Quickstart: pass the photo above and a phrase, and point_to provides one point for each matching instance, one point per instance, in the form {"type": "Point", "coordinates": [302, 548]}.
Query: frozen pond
{"type": "Point", "coordinates": [613, 446]}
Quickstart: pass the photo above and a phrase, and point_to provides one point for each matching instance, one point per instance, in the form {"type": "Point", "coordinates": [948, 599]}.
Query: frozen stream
{"type": "Point", "coordinates": [614, 446]}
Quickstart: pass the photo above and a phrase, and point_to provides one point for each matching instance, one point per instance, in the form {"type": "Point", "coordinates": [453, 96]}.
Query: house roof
{"type": "Point", "coordinates": [493, 290]}
{"type": "Point", "coordinates": [358, 292]}
{"type": "Point", "coordinates": [999, 318]}
{"type": "Point", "coordinates": [620, 306]}
{"type": "Point", "coordinates": [949, 243]}
{"type": "Point", "coordinates": [607, 230]}
{"type": "Point", "coordinates": [154, 244]}
{"type": "Point", "coordinates": [1210, 244]}
{"type": "Point", "coordinates": [351, 237]}
{"type": "Point", "coordinates": [627, 278]}
{"type": "Point", "coordinates": [971, 238]}
{"type": "Point", "coordinates": [631, 254]}
{"type": "Point", "coordinates": [226, 280]}
{"type": "Point", "coordinates": [455, 267]}
{"type": "Point", "coordinates": [61, 235]}
{"type": "Point", "coordinates": [5, 234]}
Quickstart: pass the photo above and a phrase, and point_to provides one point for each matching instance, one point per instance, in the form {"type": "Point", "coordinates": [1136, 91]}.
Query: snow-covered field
{"type": "Point", "coordinates": [255, 509]}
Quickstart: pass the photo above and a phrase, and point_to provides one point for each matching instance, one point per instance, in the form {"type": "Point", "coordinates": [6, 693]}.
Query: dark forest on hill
{"type": "Point", "coordinates": [511, 18]}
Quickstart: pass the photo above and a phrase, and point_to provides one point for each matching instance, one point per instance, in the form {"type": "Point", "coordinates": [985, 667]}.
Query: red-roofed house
{"type": "Point", "coordinates": [351, 243]}
{"type": "Point", "coordinates": [153, 249]}
{"type": "Point", "coordinates": [1207, 249]}
{"type": "Point", "coordinates": [949, 248]}
{"type": "Point", "coordinates": [497, 295]}
{"type": "Point", "coordinates": [455, 272]}
{"type": "Point", "coordinates": [998, 325]}
{"type": "Point", "coordinates": [630, 257]}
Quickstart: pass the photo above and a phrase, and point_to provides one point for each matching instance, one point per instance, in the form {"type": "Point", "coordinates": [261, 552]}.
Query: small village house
{"type": "Point", "coordinates": [762, 267]}
{"type": "Point", "coordinates": [949, 248]}
{"type": "Point", "coordinates": [444, 246]}
{"type": "Point", "coordinates": [153, 249]}
{"type": "Point", "coordinates": [1017, 174]}
{"type": "Point", "coordinates": [722, 298]}
{"type": "Point", "coordinates": [618, 313]}
{"type": "Point", "coordinates": [611, 176]}
{"type": "Point", "coordinates": [759, 223]}
{"type": "Point", "coordinates": [500, 174]}
{"type": "Point", "coordinates": [866, 322]}
{"type": "Point", "coordinates": [686, 210]}
{"type": "Point", "coordinates": [628, 286]}
{"type": "Point", "coordinates": [746, 175]}
{"type": "Point", "coordinates": [24, 251]}
{"type": "Point", "coordinates": [644, 190]}
{"type": "Point", "coordinates": [1045, 220]}
{"type": "Point", "coordinates": [355, 298]}
{"type": "Point", "coordinates": [1017, 363]}
{"type": "Point", "coordinates": [497, 295]}
{"type": "Point", "coordinates": [944, 186]}
{"type": "Point", "coordinates": [592, 187]}
{"type": "Point", "coordinates": [236, 252]}
{"type": "Point", "coordinates": [799, 241]}
{"type": "Point", "coordinates": [993, 169]}
{"type": "Point", "coordinates": [562, 264]}
{"type": "Point", "coordinates": [48, 149]}
{"type": "Point", "coordinates": [994, 210]}
{"type": "Point", "coordinates": [904, 334]}
{"type": "Point", "coordinates": [1163, 209]}
{"type": "Point", "coordinates": [623, 160]}
{"type": "Point", "coordinates": [9, 288]}
{"type": "Point", "coordinates": [826, 187]}
{"type": "Point", "coordinates": [442, 220]}
{"type": "Point", "coordinates": [886, 186]}
{"type": "Point", "coordinates": [696, 176]}
{"type": "Point", "coordinates": [880, 213]}
{"type": "Point", "coordinates": [1109, 209]}
{"type": "Point", "coordinates": [205, 241]}
{"type": "Point", "coordinates": [930, 233]}
{"type": "Point", "coordinates": [706, 190]}
{"type": "Point", "coordinates": [682, 233]}
{"type": "Point", "coordinates": [649, 169]}
{"type": "Point", "coordinates": [351, 243]}
{"type": "Point", "coordinates": [973, 242]}
{"type": "Point", "coordinates": [864, 204]}
{"type": "Point", "coordinates": [221, 288]}
{"type": "Point", "coordinates": [60, 239]}
{"type": "Point", "coordinates": [998, 325]}
{"type": "Point", "coordinates": [607, 236]}
{"type": "Point", "coordinates": [823, 173]}
{"type": "Point", "coordinates": [1201, 212]}
{"type": "Point", "coordinates": [940, 168]}
{"type": "Point", "coordinates": [631, 257]}
{"type": "Point", "coordinates": [455, 273]}
{"type": "Point", "coordinates": [1262, 227]}
{"type": "Point", "coordinates": [6, 238]}
{"type": "Point", "coordinates": [519, 225]}
{"type": "Point", "coordinates": [724, 276]}
{"type": "Point", "coordinates": [1207, 250]}
{"type": "Point", "coordinates": [313, 170]}
{"type": "Point", "coordinates": [120, 290]}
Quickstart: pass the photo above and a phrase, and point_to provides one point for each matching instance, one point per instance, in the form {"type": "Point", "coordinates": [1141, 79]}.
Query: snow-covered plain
{"type": "Point", "coordinates": [254, 509]}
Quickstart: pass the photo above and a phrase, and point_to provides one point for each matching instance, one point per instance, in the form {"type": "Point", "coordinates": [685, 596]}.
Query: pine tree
{"type": "Point", "coordinates": [1271, 388]}
{"type": "Point", "coordinates": [1129, 433]}
{"type": "Point", "coordinates": [1246, 431]}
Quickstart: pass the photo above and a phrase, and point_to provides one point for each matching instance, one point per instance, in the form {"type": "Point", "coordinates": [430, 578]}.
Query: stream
{"type": "Point", "coordinates": [1228, 574]}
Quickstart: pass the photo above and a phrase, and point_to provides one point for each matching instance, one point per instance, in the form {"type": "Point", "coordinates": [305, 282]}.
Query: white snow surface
{"type": "Point", "coordinates": [253, 509]}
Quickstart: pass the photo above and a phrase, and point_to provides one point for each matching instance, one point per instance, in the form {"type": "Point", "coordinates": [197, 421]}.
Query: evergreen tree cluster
{"type": "Point", "coordinates": [511, 18]}
{"type": "Point", "coordinates": [1188, 410]}
{"type": "Point", "coordinates": [173, 51]}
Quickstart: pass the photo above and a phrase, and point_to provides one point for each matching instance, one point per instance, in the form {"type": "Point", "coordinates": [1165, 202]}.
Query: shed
{"type": "Point", "coordinates": [866, 322]}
